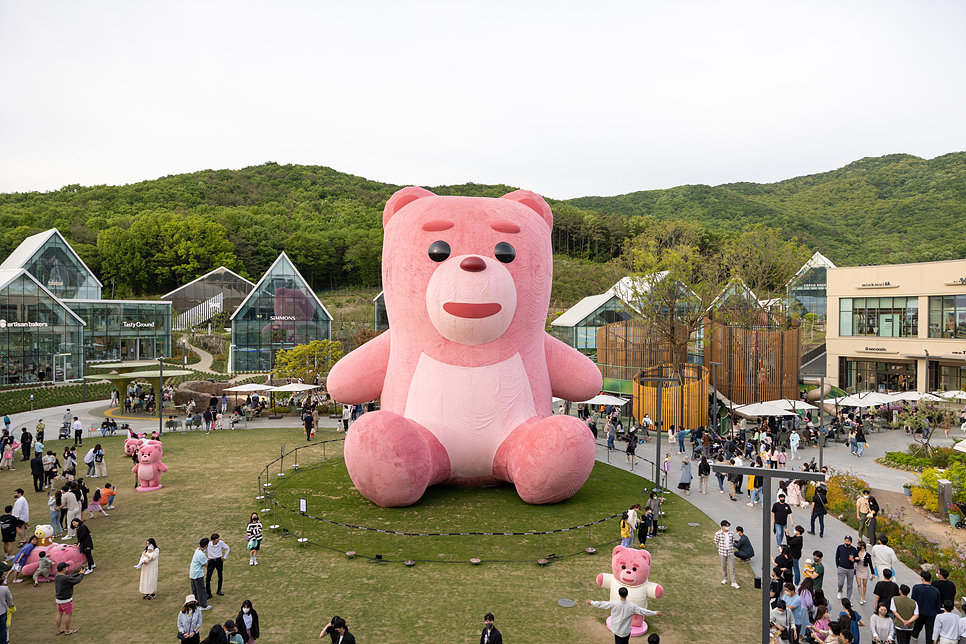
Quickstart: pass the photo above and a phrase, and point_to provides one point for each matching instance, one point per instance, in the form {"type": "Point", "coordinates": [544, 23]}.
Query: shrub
{"type": "Point", "coordinates": [925, 498]}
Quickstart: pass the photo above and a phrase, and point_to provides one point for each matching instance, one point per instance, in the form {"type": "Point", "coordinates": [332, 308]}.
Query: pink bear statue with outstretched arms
{"type": "Point", "coordinates": [150, 467]}
{"type": "Point", "coordinates": [630, 568]}
{"type": "Point", "coordinates": [466, 371]}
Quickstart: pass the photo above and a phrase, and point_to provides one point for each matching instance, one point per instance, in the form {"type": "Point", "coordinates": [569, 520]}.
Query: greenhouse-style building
{"type": "Point", "coordinates": [198, 301]}
{"type": "Point", "coordinates": [40, 338]}
{"type": "Point", "coordinates": [50, 259]}
{"type": "Point", "coordinates": [280, 312]}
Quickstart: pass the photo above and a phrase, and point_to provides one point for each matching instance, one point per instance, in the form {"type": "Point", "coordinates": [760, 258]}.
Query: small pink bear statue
{"type": "Point", "coordinates": [630, 568]}
{"type": "Point", "coordinates": [467, 371]}
{"type": "Point", "coordinates": [150, 467]}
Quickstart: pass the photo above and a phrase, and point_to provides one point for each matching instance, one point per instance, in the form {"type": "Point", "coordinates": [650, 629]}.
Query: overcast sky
{"type": "Point", "coordinates": [564, 98]}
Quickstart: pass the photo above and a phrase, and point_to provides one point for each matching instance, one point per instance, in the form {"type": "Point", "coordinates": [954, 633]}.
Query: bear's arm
{"type": "Point", "coordinates": [604, 579]}
{"type": "Point", "coordinates": [162, 467]}
{"type": "Point", "coordinates": [359, 376]}
{"type": "Point", "coordinates": [654, 591]}
{"type": "Point", "coordinates": [573, 376]}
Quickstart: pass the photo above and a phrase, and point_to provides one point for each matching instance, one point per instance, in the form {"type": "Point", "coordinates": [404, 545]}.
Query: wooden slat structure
{"type": "Point", "coordinates": [758, 362]}
{"type": "Point", "coordinates": [624, 348]}
{"type": "Point", "coordinates": [683, 404]}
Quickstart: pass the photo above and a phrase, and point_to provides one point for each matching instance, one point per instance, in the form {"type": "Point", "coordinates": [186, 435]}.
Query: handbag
{"type": "Point", "coordinates": [252, 543]}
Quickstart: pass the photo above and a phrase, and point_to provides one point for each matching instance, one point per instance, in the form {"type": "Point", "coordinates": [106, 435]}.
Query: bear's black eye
{"type": "Point", "coordinates": [504, 252]}
{"type": "Point", "coordinates": [439, 251]}
{"type": "Point", "coordinates": [623, 567]}
{"type": "Point", "coordinates": [634, 568]}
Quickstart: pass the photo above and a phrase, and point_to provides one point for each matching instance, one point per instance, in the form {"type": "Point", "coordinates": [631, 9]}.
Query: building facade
{"type": "Point", "coordinates": [197, 302]}
{"type": "Point", "coordinates": [124, 329]}
{"type": "Point", "coordinates": [897, 328]}
{"type": "Point", "coordinates": [280, 312]}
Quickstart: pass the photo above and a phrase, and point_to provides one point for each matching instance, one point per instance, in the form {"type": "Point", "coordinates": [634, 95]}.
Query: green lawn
{"type": "Point", "coordinates": [211, 487]}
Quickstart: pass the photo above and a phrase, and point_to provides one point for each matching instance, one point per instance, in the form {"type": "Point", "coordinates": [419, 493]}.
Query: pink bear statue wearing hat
{"type": "Point", "coordinates": [630, 568]}
{"type": "Point", "coordinates": [150, 467]}
{"type": "Point", "coordinates": [467, 371]}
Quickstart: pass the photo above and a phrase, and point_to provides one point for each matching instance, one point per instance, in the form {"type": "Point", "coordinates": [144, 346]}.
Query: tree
{"type": "Point", "coordinates": [306, 361]}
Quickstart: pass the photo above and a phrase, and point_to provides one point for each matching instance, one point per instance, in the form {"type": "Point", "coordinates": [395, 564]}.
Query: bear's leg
{"type": "Point", "coordinates": [392, 460]}
{"type": "Point", "coordinates": [547, 460]}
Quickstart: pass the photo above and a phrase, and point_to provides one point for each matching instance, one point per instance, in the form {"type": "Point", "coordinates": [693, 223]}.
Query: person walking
{"type": "Point", "coordinates": [622, 614]}
{"type": "Point", "coordinates": [885, 590]}
{"type": "Point", "coordinates": [845, 556]}
{"type": "Point", "coordinates": [253, 533]}
{"type": "Point", "coordinates": [819, 510]}
{"type": "Point", "coordinates": [189, 621]}
{"type": "Point", "coordinates": [247, 623]}
{"type": "Point", "coordinates": [308, 420]}
{"type": "Point", "coordinates": [631, 438]}
{"type": "Point", "coordinates": [37, 471]}
{"type": "Point", "coordinates": [863, 569]}
{"type": "Point", "coordinates": [611, 430]}
{"type": "Point", "coordinates": [217, 555]}
{"type": "Point", "coordinates": [685, 482]}
{"type": "Point", "coordinates": [795, 543]}
{"type": "Point", "coordinates": [704, 471]}
{"type": "Point", "coordinates": [725, 542]}
{"type": "Point", "coordinates": [929, 601]}
{"type": "Point", "coordinates": [946, 629]}
{"type": "Point", "coordinates": [794, 440]}
{"type": "Point", "coordinates": [196, 574]}
{"type": "Point", "coordinates": [781, 514]}
{"type": "Point", "coordinates": [490, 633]}
{"type": "Point", "coordinates": [78, 432]}
{"type": "Point", "coordinates": [866, 514]}
{"type": "Point", "coordinates": [64, 596]}
{"type": "Point", "coordinates": [6, 603]}
{"type": "Point", "coordinates": [21, 510]}
{"type": "Point", "coordinates": [734, 481]}
{"type": "Point", "coordinates": [148, 565]}
{"type": "Point", "coordinates": [208, 417]}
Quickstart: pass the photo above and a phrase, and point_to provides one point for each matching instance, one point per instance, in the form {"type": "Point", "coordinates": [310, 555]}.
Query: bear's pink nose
{"type": "Point", "coordinates": [473, 264]}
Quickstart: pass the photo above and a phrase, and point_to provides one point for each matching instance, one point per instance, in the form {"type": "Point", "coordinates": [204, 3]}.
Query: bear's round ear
{"type": "Point", "coordinates": [618, 549]}
{"type": "Point", "coordinates": [401, 199]}
{"type": "Point", "coordinates": [646, 555]}
{"type": "Point", "coordinates": [534, 202]}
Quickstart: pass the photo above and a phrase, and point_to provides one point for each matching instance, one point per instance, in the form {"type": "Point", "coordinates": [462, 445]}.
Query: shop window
{"type": "Point", "coordinates": [883, 317]}
{"type": "Point", "coordinates": [947, 316]}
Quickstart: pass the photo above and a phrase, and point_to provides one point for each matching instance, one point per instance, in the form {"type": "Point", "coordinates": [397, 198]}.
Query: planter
{"type": "Point", "coordinates": [907, 491]}
{"type": "Point", "coordinates": [954, 519]}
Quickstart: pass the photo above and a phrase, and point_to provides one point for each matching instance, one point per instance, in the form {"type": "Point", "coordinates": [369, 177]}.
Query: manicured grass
{"type": "Point", "coordinates": [211, 485]}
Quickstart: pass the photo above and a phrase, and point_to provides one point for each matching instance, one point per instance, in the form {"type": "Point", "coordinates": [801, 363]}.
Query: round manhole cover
{"type": "Point", "coordinates": [566, 603]}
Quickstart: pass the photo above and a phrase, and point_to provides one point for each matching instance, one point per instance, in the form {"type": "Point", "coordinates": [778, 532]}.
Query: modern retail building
{"type": "Point", "coordinates": [897, 327]}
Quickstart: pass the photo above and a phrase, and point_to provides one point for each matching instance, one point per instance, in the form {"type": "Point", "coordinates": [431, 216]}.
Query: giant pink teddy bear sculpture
{"type": "Point", "coordinates": [149, 467]}
{"type": "Point", "coordinates": [58, 552]}
{"type": "Point", "coordinates": [466, 372]}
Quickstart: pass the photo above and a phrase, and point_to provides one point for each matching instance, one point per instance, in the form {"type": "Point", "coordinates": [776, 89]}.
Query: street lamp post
{"type": "Point", "coordinates": [660, 425]}
{"type": "Point", "coordinates": [767, 475]}
{"type": "Point", "coordinates": [160, 395]}
{"type": "Point", "coordinates": [714, 383]}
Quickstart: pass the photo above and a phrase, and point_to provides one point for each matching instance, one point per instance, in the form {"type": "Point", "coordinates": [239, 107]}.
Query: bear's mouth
{"type": "Point", "coordinates": [472, 311]}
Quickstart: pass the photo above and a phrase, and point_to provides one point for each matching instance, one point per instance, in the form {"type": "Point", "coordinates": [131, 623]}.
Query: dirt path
{"type": "Point", "coordinates": [921, 520]}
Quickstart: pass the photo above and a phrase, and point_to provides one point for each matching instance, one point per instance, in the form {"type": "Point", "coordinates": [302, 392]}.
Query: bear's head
{"type": "Point", "coordinates": [132, 445]}
{"type": "Point", "coordinates": [629, 566]}
{"type": "Point", "coordinates": [151, 452]}
{"type": "Point", "coordinates": [472, 268]}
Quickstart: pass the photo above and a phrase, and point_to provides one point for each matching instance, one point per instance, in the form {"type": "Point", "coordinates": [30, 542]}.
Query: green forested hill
{"type": "Point", "coordinates": [886, 210]}
{"type": "Point", "coordinates": [148, 238]}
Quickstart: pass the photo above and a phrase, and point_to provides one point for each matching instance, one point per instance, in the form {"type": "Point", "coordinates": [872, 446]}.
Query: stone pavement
{"type": "Point", "coordinates": [717, 507]}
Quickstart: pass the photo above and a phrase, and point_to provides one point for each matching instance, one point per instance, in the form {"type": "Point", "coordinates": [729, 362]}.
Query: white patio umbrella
{"type": "Point", "coordinates": [292, 388]}
{"type": "Point", "coordinates": [601, 399]}
{"type": "Point", "coordinates": [788, 403]}
{"type": "Point", "coordinates": [762, 409]}
{"type": "Point", "coordinates": [249, 387]}
{"type": "Point", "coordinates": [959, 394]}
{"type": "Point", "coordinates": [865, 399]}
{"type": "Point", "coordinates": [914, 396]}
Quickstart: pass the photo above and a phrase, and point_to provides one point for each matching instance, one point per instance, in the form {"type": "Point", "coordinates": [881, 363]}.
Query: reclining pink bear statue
{"type": "Point", "coordinates": [466, 372]}
{"type": "Point", "coordinates": [630, 568]}
{"type": "Point", "coordinates": [57, 552]}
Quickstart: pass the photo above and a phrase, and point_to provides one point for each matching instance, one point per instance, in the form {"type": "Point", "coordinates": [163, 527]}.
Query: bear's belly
{"type": "Point", "coordinates": [471, 410]}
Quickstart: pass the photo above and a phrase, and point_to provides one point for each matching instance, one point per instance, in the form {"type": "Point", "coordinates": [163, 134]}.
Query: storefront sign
{"type": "Point", "coordinates": [876, 350]}
{"type": "Point", "coordinates": [878, 285]}
{"type": "Point", "coordinates": [17, 325]}
{"type": "Point", "coordinates": [960, 282]}
{"type": "Point", "coordinates": [282, 318]}
{"type": "Point", "coordinates": [139, 325]}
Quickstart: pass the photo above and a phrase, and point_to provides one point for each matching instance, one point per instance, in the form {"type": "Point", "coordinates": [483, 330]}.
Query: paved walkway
{"type": "Point", "coordinates": [717, 507]}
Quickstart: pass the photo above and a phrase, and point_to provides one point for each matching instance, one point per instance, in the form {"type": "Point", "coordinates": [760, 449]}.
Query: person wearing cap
{"type": "Point", "coordinates": [64, 596]}
{"type": "Point", "coordinates": [781, 513]}
{"type": "Point", "coordinates": [189, 621]}
{"type": "Point", "coordinates": [845, 556]}
{"type": "Point", "coordinates": [725, 542]}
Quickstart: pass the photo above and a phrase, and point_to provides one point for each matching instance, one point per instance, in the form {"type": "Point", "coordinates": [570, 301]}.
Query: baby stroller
{"type": "Point", "coordinates": [64, 432]}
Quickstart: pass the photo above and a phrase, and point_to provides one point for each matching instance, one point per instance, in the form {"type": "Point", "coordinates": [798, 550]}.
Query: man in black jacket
{"type": "Point", "coordinates": [845, 556]}
{"type": "Point", "coordinates": [37, 469]}
{"type": "Point", "coordinates": [490, 633]}
{"type": "Point", "coordinates": [743, 548]}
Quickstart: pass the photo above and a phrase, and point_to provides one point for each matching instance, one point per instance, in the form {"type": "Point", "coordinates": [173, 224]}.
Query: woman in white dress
{"type": "Point", "coordinates": [149, 569]}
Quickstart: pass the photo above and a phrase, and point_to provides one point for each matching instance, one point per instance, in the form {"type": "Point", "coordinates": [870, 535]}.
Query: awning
{"type": "Point", "coordinates": [294, 387]}
{"type": "Point", "coordinates": [602, 399]}
{"type": "Point", "coordinates": [788, 403]}
{"type": "Point", "coordinates": [249, 387]}
{"type": "Point", "coordinates": [762, 409]}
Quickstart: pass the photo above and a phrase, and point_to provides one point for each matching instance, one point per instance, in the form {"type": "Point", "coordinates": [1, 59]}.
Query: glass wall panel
{"type": "Point", "coordinates": [947, 316]}
{"type": "Point", "coordinates": [884, 317]}
{"type": "Point", "coordinates": [56, 267]}
{"type": "Point", "coordinates": [809, 292]}
{"type": "Point", "coordinates": [861, 375]}
{"type": "Point", "coordinates": [116, 328]}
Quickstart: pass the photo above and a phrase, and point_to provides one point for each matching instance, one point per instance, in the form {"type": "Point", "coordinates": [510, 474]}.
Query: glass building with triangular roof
{"type": "Point", "coordinates": [278, 314]}
{"type": "Point", "coordinates": [50, 259]}
{"type": "Point", "coordinates": [41, 339]}
{"type": "Point", "coordinates": [219, 291]}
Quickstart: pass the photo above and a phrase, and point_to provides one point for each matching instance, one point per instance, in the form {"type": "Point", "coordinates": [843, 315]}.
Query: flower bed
{"type": "Point", "coordinates": [912, 548]}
